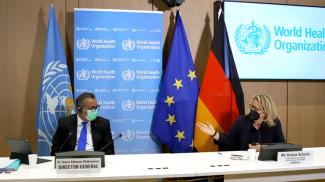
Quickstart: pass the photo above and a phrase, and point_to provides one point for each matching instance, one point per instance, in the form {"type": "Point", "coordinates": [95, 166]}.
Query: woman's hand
{"type": "Point", "coordinates": [207, 128]}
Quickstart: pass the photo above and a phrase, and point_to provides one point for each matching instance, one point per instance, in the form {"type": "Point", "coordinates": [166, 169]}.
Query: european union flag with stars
{"type": "Point", "coordinates": [174, 116]}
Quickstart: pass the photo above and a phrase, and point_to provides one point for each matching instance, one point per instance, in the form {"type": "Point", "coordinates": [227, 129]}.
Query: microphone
{"type": "Point", "coordinates": [65, 141]}
{"type": "Point", "coordinates": [110, 143]}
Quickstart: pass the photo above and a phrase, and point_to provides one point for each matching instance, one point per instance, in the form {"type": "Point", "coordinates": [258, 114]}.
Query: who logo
{"type": "Point", "coordinates": [128, 135]}
{"type": "Point", "coordinates": [128, 105]}
{"type": "Point", "coordinates": [128, 45]}
{"type": "Point", "coordinates": [253, 38]}
{"type": "Point", "coordinates": [83, 74]}
{"type": "Point", "coordinates": [83, 44]}
{"type": "Point", "coordinates": [128, 75]}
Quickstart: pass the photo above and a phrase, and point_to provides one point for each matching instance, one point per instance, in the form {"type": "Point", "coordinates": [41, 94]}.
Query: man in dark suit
{"type": "Point", "coordinates": [84, 131]}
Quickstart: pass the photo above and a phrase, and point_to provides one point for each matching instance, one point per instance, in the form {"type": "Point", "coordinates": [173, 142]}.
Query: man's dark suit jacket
{"type": "Point", "coordinates": [100, 130]}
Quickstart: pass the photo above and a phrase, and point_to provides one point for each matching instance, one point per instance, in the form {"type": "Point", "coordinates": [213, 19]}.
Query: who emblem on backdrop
{"type": "Point", "coordinates": [253, 38]}
{"type": "Point", "coordinates": [55, 99]}
{"type": "Point", "coordinates": [128, 105]}
{"type": "Point", "coordinates": [128, 45]}
{"type": "Point", "coordinates": [83, 74]}
{"type": "Point", "coordinates": [128, 135]}
{"type": "Point", "coordinates": [83, 44]}
{"type": "Point", "coordinates": [128, 75]}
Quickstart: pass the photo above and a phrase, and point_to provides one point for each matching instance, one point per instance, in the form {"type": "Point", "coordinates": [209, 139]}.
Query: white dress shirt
{"type": "Point", "coordinates": [89, 144]}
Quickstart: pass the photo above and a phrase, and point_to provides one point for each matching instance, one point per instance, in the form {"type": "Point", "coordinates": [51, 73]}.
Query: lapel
{"type": "Point", "coordinates": [73, 128]}
{"type": "Point", "coordinates": [93, 127]}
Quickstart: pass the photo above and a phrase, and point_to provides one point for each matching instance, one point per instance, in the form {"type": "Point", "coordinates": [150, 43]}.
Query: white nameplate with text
{"type": "Point", "coordinates": [78, 165]}
{"type": "Point", "coordinates": [296, 157]}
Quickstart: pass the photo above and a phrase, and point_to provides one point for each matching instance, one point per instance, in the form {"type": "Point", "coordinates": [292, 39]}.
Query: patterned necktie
{"type": "Point", "coordinates": [83, 137]}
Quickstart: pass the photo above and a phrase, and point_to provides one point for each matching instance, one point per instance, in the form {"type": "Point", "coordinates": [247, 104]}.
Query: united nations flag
{"type": "Point", "coordinates": [174, 116]}
{"type": "Point", "coordinates": [55, 98]}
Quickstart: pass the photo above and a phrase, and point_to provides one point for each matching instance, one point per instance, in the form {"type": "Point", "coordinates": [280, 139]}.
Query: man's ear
{"type": "Point", "coordinates": [79, 109]}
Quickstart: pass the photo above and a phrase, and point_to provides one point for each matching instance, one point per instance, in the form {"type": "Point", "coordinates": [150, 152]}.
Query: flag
{"type": "Point", "coordinates": [55, 97]}
{"type": "Point", "coordinates": [221, 97]}
{"type": "Point", "coordinates": [174, 116]}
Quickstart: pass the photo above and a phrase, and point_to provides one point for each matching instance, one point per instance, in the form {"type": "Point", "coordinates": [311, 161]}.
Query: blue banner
{"type": "Point", "coordinates": [118, 57]}
{"type": "Point", "coordinates": [55, 98]}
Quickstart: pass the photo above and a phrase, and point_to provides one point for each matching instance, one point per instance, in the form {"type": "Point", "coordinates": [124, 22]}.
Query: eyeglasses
{"type": "Point", "coordinates": [260, 111]}
{"type": "Point", "coordinates": [93, 108]}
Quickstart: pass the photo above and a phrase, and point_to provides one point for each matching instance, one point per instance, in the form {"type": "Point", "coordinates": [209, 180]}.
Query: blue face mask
{"type": "Point", "coordinates": [92, 114]}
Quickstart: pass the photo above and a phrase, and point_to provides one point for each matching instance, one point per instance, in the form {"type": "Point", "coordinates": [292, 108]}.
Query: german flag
{"type": "Point", "coordinates": [221, 98]}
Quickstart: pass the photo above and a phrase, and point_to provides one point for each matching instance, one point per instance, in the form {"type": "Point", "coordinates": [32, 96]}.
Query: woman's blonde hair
{"type": "Point", "coordinates": [268, 107]}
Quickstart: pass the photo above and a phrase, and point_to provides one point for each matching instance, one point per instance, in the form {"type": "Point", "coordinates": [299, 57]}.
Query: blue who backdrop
{"type": "Point", "coordinates": [118, 57]}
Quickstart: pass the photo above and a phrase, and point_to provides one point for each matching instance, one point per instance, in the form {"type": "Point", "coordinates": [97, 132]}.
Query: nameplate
{"type": "Point", "coordinates": [78, 165]}
{"type": "Point", "coordinates": [296, 157]}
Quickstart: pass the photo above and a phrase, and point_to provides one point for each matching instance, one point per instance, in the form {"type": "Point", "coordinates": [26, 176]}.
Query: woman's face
{"type": "Point", "coordinates": [257, 107]}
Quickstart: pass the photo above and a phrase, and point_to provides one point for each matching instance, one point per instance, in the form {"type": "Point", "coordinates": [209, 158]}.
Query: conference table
{"type": "Point", "coordinates": [158, 166]}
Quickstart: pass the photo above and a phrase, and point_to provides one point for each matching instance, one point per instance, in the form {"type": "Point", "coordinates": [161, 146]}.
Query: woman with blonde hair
{"type": "Point", "coordinates": [260, 126]}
